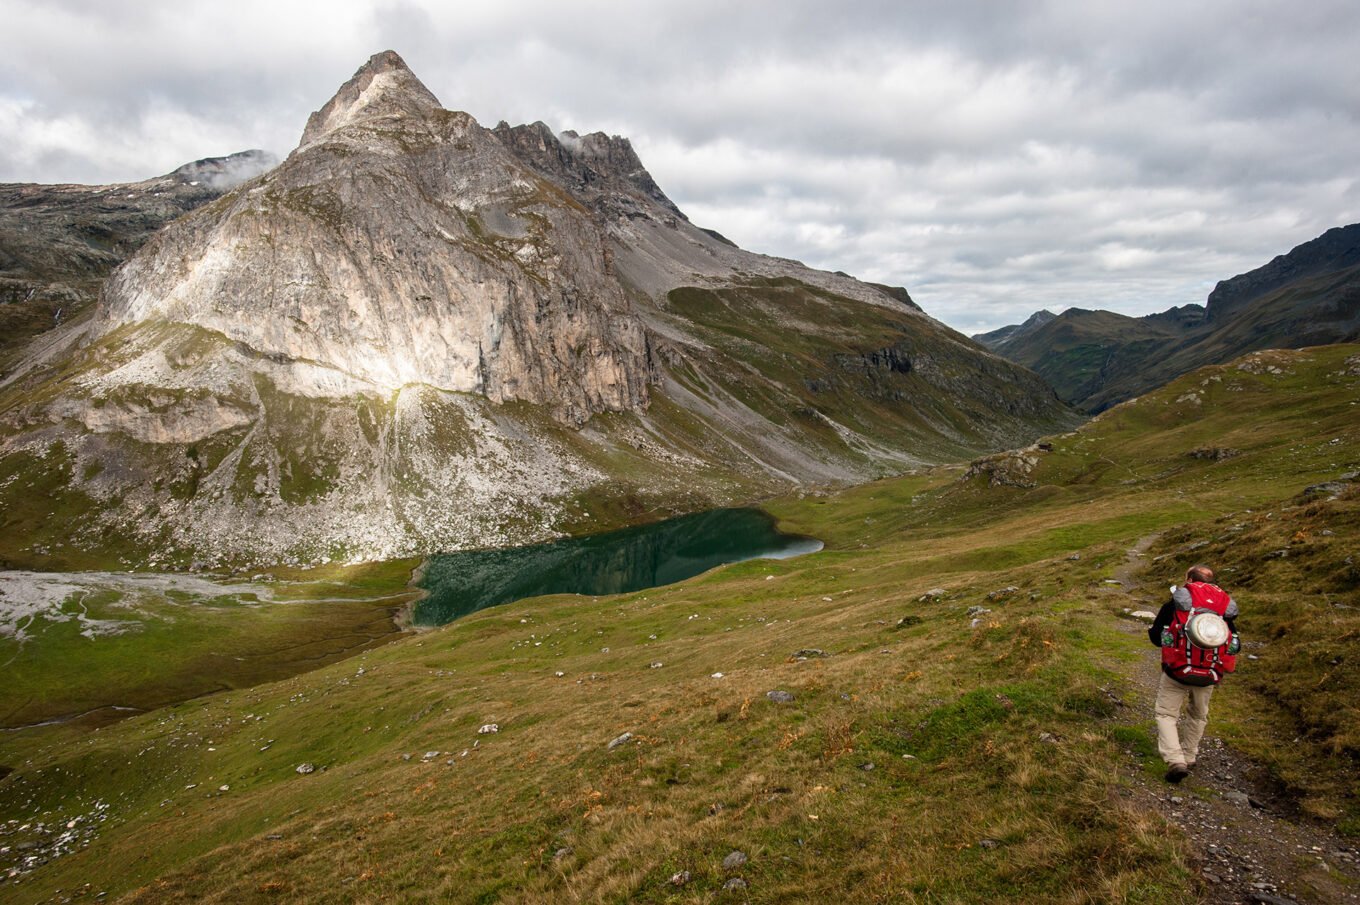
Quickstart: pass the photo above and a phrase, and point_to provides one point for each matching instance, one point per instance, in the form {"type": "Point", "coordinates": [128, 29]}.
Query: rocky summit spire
{"type": "Point", "coordinates": [382, 88]}
{"type": "Point", "coordinates": [403, 244]}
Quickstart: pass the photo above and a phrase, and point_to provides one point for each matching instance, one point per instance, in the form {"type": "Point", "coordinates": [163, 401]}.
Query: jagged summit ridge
{"type": "Point", "coordinates": [591, 164]}
{"type": "Point", "coordinates": [384, 87]}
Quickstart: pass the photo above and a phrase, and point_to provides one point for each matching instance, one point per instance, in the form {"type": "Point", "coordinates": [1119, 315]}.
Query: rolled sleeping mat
{"type": "Point", "coordinates": [1207, 630]}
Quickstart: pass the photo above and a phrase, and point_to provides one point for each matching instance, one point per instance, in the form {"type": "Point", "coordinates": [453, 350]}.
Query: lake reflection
{"type": "Point", "coordinates": [613, 563]}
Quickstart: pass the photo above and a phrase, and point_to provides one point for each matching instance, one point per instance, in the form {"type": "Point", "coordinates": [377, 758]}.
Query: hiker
{"type": "Point", "coordinates": [1194, 659]}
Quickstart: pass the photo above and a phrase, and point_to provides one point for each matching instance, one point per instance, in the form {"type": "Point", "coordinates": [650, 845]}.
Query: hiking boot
{"type": "Point", "coordinates": [1190, 767]}
{"type": "Point", "coordinates": [1176, 773]}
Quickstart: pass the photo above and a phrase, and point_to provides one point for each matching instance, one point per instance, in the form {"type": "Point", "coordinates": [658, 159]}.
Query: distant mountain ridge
{"type": "Point", "coordinates": [1095, 359]}
{"type": "Point", "coordinates": [999, 339]}
{"type": "Point", "coordinates": [419, 334]}
{"type": "Point", "coordinates": [59, 242]}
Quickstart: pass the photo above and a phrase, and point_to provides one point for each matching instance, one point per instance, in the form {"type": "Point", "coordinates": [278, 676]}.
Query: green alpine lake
{"type": "Point", "coordinates": [614, 562]}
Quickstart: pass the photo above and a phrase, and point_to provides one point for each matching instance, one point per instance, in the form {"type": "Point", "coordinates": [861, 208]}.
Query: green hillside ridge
{"type": "Point", "coordinates": [925, 730]}
{"type": "Point", "coordinates": [1096, 359]}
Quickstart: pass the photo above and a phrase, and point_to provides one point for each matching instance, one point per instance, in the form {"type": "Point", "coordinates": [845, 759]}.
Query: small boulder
{"type": "Point", "coordinates": [1003, 593]}
{"type": "Point", "coordinates": [734, 860]}
{"type": "Point", "coordinates": [1327, 488]}
{"type": "Point", "coordinates": [977, 611]}
{"type": "Point", "coordinates": [780, 696]}
{"type": "Point", "coordinates": [680, 878]}
{"type": "Point", "coordinates": [1143, 615]}
{"type": "Point", "coordinates": [808, 653]}
{"type": "Point", "coordinates": [621, 740]}
{"type": "Point", "coordinates": [565, 852]}
{"type": "Point", "coordinates": [735, 884]}
{"type": "Point", "coordinates": [988, 843]}
{"type": "Point", "coordinates": [489, 729]}
{"type": "Point", "coordinates": [304, 769]}
{"type": "Point", "coordinates": [933, 594]}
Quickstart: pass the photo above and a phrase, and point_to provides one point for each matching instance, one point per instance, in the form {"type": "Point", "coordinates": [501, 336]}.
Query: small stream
{"type": "Point", "coordinates": [616, 562]}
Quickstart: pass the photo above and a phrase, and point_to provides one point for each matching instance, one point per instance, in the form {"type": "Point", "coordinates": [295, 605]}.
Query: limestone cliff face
{"type": "Point", "coordinates": [402, 244]}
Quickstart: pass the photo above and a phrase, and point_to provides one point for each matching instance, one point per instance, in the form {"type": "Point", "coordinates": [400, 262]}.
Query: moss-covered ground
{"type": "Point", "coordinates": [966, 737]}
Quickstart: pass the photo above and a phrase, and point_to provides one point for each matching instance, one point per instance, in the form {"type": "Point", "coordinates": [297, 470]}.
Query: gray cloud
{"type": "Point", "coordinates": [994, 158]}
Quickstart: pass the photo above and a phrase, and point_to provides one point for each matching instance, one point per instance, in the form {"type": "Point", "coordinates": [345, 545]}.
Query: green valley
{"type": "Point", "coordinates": [960, 717]}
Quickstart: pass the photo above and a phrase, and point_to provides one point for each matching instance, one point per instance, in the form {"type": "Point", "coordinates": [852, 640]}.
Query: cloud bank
{"type": "Point", "coordinates": [993, 158]}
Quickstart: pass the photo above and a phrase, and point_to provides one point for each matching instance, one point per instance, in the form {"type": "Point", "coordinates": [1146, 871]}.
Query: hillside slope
{"type": "Point", "coordinates": [1095, 359]}
{"type": "Point", "coordinates": [962, 723]}
{"type": "Point", "coordinates": [417, 333]}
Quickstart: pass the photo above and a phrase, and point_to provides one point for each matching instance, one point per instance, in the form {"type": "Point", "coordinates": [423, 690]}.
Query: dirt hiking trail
{"type": "Point", "coordinates": [1248, 840]}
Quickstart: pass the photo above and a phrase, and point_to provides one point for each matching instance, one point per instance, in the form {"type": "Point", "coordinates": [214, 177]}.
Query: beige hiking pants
{"type": "Point", "coordinates": [1180, 746]}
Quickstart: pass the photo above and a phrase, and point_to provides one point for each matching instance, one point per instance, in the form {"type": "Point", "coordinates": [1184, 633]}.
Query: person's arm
{"type": "Point", "coordinates": [1164, 617]}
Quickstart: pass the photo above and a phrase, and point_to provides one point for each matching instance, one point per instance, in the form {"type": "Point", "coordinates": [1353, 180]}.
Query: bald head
{"type": "Point", "coordinates": [1199, 573]}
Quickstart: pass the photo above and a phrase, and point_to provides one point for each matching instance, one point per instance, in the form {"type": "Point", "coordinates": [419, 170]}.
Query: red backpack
{"type": "Point", "coordinates": [1187, 662]}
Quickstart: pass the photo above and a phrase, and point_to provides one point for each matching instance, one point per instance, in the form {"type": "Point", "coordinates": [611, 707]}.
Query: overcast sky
{"type": "Point", "coordinates": [993, 157]}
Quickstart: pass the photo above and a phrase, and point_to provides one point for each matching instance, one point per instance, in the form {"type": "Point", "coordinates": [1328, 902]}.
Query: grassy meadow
{"type": "Point", "coordinates": [963, 723]}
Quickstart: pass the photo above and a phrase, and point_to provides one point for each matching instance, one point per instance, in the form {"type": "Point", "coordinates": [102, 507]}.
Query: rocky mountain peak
{"type": "Point", "coordinates": [400, 339]}
{"type": "Point", "coordinates": [401, 244]}
{"type": "Point", "coordinates": [382, 88]}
